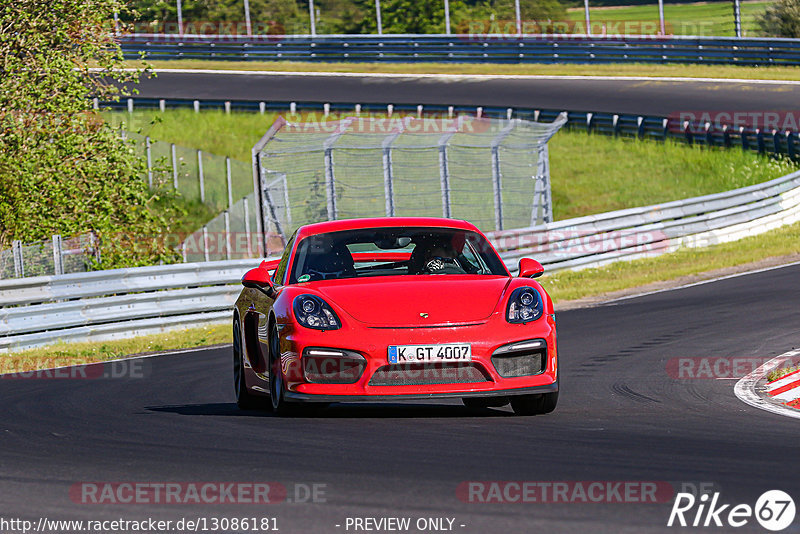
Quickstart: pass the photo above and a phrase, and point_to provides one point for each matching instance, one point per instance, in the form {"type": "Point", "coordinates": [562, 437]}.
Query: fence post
{"type": "Point", "coordinates": [228, 180]}
{"type": "Point", "coordinates": [388, 185]}
{"type": "Point", "coordinates": [162, 105]}
{"type": "Point", "coordinates": [201, 177]}
{"type": "Point", "coordinates": [497, 186]}
{"type": "Point", "coordinates": [205, 243]}
{"type": "Point", "coordinates": [444, 179]}
{"type": "Point", "coordinates": [544, 172]}
{"type": "Point", "coordinates": [227, 216]}
{"type": "Point", "coordinates": [247, 227]}
{"type": "Point", "coordinates": [196, 105]}
{"type": "Point", "coordinates": [58, 258]}
{"type": "Point", "coordinates": [19, 265]}
{"type": "Point", "coordinates": [149, 161]}
{"type": "Point", "coordinates": [330, 184]}
{"type": "Point", "coordinates": [174, 166]}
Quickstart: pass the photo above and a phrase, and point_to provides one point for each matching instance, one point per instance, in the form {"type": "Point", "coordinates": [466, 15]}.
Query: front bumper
{"type": "Point", "coordinates": [372, 344]}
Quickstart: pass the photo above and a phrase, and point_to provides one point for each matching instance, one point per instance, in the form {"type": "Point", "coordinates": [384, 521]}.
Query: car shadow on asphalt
{"type": "Point", "coordinates": [338, 411]}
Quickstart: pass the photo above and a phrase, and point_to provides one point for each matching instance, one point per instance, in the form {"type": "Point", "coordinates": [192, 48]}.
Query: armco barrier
{"type": "Point", "coordinates": [102, 305]}
{"type": "Point", "coordinates": [467, 48]}
{"type": "Point", "coordinates": [124, 302]}
{"type": "Point", "coordinates": [596, 240]}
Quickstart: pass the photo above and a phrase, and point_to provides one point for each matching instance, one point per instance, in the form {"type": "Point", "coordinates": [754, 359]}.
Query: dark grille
{"type": "Point", "coordinates": [424, 374]}
{"type": "Point", "coordinates": [521, 364]}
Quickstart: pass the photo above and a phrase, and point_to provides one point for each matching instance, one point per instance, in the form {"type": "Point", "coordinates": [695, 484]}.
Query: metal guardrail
{"type": "Point", "coordinates": [102, 305]}
{"type": "Point", "coordinates": [596, 240]}
{"type": "Point", "coordinates": [641, 127]}
{"type": "Point", "coordinates": [496, 48]}
{"type": "Point", "coordinates": [116, 303]}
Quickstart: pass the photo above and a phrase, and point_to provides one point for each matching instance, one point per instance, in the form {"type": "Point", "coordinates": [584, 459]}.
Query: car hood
{"type": "Point", "coordinates": [403, 301]}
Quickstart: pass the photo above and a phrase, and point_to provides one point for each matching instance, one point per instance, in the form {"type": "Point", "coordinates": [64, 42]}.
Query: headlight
{"type": "Point", "coordinates": [524, 305]}
{"type": "Point", "coordinates": [313, 312]}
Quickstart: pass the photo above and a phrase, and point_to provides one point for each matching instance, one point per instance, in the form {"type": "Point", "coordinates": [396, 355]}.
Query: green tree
{"type": "Point", "coordinates": [781, 19]}
{"type": "Point", "coordinates": [62, 169]}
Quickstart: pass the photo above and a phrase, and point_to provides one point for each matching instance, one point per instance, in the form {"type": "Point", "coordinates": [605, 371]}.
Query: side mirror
{"type": "Point", "coordinates": [529, 268]}
{"type": "Point", "coordinates": [258, 278]}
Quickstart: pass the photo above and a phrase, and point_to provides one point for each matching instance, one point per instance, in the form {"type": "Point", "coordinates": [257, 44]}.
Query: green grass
{"type": "Point", "coordinates": [780, 373]}
{"type": "Point", "coordinates": [62, 354]}
{"type": "Point", "coordinates": [590, 173]}
{"type": "Point", "coordinates": [606, 69]}
{"type": "Point", "coordinates": [702, 18]}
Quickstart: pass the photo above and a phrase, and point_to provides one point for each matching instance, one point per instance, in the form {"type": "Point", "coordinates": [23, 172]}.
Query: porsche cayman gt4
{"type": "Point", "coordinates": [394, 308]}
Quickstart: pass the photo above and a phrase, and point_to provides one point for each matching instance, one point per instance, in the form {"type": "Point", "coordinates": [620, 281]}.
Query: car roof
{"type": "Point", "coordinates": [383, 222]}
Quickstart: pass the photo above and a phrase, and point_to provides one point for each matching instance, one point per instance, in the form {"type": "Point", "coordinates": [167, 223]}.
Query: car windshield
{"type": "Point", "coordinates": [394, 252]}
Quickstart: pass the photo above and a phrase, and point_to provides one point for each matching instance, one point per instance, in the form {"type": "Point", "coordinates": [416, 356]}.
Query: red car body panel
{"type": "Point", "coordinates": [382, 311]}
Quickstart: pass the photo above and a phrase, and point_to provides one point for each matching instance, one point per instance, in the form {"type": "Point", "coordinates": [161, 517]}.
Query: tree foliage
{"type": "Point", "coordinates": [781, 19]}
{"type": "Point", "coordinates": [349, 16]}
{"type": "Point", "coordinates": [62, 169]}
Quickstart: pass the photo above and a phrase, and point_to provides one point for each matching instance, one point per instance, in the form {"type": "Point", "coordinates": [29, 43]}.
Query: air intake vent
{"type": "Point", "coordinates": [425, 374]}
{"type": "Point", "coordinates": [524, 358]}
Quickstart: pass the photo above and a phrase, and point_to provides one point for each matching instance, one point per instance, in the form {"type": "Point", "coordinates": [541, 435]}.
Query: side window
{"type": "Point", "coordinates": [280, 272]}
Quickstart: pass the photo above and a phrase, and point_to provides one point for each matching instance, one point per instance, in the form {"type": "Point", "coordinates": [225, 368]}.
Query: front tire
{"type": "Point", "coordinates": [244, 399]}
{"type": "Point", "coordinates": [276, 388]}
{"type": "Point", "coordinates": [534, 404]}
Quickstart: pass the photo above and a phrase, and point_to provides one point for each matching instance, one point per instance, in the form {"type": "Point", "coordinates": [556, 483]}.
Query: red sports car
{"type": "Point", "coordinates": [394, 308]}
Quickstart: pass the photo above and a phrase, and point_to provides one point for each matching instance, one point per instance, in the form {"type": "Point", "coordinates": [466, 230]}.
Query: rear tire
{"type": "Point", "coordinates": [534, 404]}
{"type": "Point", "coordinates": [244, 399]}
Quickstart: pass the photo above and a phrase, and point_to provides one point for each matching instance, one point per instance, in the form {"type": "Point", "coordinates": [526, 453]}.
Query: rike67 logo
{"type": "Point", "coordinates": [774, 510]}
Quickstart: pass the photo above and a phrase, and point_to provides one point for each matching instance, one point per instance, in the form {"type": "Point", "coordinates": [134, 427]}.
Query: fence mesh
{"type": "Point", "coordinates": [480, 169]}
{"type": "Point", "coordinates": [48, 257]}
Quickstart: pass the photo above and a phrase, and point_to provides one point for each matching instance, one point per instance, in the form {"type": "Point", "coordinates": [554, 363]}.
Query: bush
{"type": "Point", "coordinates": [781, 19]}
{"type": "Point", "coordinates": [62, 169]}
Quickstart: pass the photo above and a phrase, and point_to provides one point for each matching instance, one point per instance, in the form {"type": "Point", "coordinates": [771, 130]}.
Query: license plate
{"type": "Point", "coordinates": [450, 352]}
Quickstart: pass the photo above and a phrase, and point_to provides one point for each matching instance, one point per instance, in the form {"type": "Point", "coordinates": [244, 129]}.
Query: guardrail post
{"type": "Point", "coordinates": [200, 176]}
{"type": "Point", "coordinates": [640, 127]}
{"type": "Point", "coordinates": [130, 105]}
{"type": "Point", "coordinates": [615, 124]}
{"type": "Point", "coordinates": [687, 133]}
{"type": "Point", "coordinates": [589, 122]}
{"type": "Point", "coordinates": [709, 134]}
{"type": "Point", "coordinates": [162, 105]}
{"type": "Point", "coordinates": [790, 144]}
{"type": "Point", "coordinates": [262, 107]}
{"type": "Point", "coordinates": [776, 142]}
{"type": "Point", "coordinates": [760, 141]}
{"type": "Point", "coordinates": [228, 181]}
{"type": "Point", "coordinates": [149, 156]}
{"type": "Point", "coordinates": [743, 138]}
{"type": "Point", "coordinates": [388, 182]}
{"type": "Point", "coordinates": [726, 136]}
{"type": "Point", "coordinates": [174, 166]}
{"type": "Point", "coordinates": [58, 258]}
{"type": "Point", "coordinates": [227, 107]}
{"type": "Point", "coordinates": [664, 129]}
{"type": "Point", "coordinates": [19, 264]}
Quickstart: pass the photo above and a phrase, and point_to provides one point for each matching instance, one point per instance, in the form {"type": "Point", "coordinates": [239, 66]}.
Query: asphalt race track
{"type": "Point", "coordinates": [621, 417]}
{"type": "Point", "coordinates": [646, 97]}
